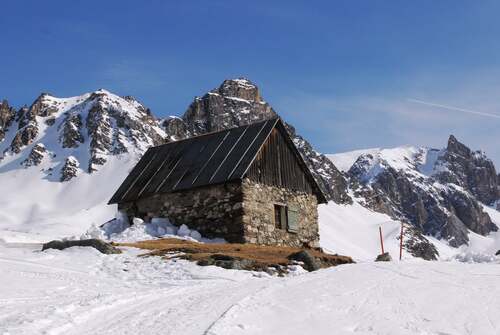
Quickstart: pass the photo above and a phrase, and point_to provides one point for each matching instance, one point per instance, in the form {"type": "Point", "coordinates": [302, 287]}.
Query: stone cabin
{"type": "Point", "coordinates": [247, 185]}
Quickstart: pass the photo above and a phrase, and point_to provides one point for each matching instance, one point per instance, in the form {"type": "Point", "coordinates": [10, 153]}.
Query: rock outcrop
{"type": "Point", "coordinates": [36, 155]}
{"type": "Point", "coordinates": [7, 115]}
{"type": "Point", "coordinates": [71, 131]}
{"type": "Point", "coordinates": [100, 245]}
{"type": "Point", "coordinates": [471, 170]}
{"type": "Point", "coordinates": [69, 169]}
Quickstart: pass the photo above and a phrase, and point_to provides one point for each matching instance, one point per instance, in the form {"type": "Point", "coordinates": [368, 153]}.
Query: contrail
{"type": "Point", "coordinates": [496, 116]}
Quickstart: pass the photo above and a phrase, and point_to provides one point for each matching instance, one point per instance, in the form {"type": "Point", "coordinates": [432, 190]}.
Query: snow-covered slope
{"type": "Point", "coordinates": [48, 209]}
{"type": "Point", "coordinates": [354, 230]}
{"type": "Point", "coordinates": [444, 193]}
{"type": "Point", "coordinates": [344, 160]}
{"type": "Point", "coordinates": [80, 291]}
{"type": "Point", "coordinates": [62, 158]}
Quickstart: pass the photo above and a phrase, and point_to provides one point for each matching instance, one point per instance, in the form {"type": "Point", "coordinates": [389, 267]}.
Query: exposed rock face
{"type": "Point", "coordinates": [7, 115]}
{"type": "Point", "coordinates": [418, 245]}
{"type": "Point", "coordinates": [71, 135]}
{"type": "Point", "coordinates": [471, 170]}
{"type": "Point", "coordinates": [175, 128]}
{"type": "Point", "coordinates": [92, 127]}
{"type": "Point", "coordinates": [113, 124]}
{"type": "Point", "coordinates": [238, 102]}
{"type": "Point", "coordinates": [69, 169]}
{"type": "Point", "coordinates": [329, 178]}
{"type": "Point", "coordinates": [431, 189]}
{"type": "Point", "coordinates": [24, 136]}
{"type": "Point", "coordinates": [28, 127]}
{"type": "Point", "coordinates": [36, 155]}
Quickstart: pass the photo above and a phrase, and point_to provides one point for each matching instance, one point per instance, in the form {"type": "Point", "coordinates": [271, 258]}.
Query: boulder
{"type": "Point", "coordinates": [100, 245]}
{"type": "Point", "coordinates": [304, 256]}
{"type": "Point", "coordinates": [385, 257]}
{"type": "Point", "coordinates": [228, 262]}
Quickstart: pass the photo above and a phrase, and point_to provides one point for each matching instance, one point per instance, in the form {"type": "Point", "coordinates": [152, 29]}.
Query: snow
{"type": "Point", "coordinates": [399, 158]}
{"type": "Point", "coordinates": [343, 161]}
{"type": "Point", "coordinates": [121, 230]}
{"type": "Point", "coordinates": [353, 230]}
{"type": "Point", "coordinates": [48, 209]}
{"type": "Point", "coordinates": [80, 291]}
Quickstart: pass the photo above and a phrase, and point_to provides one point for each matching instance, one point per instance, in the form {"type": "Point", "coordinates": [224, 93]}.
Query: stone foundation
{"type": "Point", "coordinates": [240, 212]}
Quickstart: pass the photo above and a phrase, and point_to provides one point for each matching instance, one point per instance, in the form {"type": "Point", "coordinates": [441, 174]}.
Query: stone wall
{"type": "Point", "coordinates": [258, 216]}
{"type": "Point", "coordinates": [215, 211]}
{"type": "Point", "coordinates": [240, 212]}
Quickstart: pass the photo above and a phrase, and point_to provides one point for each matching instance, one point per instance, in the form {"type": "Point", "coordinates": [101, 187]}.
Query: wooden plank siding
{"type": "Point", "coordinates": [276, 165]}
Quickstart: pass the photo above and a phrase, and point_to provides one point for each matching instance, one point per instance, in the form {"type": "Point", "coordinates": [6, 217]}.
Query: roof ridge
{"type": "Point", "coordinates": [218, 131]}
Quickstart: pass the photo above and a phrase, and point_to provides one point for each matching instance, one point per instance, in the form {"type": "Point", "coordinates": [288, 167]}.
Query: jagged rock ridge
{"type": "Point", "coordinates": [76, 133]}
{"type": "Point", "coordinates": [438, 191]}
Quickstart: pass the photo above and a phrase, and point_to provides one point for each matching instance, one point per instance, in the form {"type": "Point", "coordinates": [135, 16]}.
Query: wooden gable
{"type": "Point", "coordinates": [279, 163]}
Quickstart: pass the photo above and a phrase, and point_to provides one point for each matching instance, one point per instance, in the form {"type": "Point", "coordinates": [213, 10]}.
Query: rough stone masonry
{"type": "Point", "coordinates": [240, 212]}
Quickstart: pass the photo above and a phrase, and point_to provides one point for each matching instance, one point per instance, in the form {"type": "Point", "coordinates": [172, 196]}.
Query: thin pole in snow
{"type": "Point", "coordinates": [401, 243]}
{"type": "Point", "coordinates": [381, 239]}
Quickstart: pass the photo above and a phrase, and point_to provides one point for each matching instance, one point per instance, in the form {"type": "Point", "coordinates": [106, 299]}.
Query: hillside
{"type": "Point", "coordinates": [62, 158]}
{"type": "Point", "coordinates": [449, 194]}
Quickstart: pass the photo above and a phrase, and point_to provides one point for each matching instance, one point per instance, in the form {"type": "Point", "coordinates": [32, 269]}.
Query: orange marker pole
{"type": "Point", "coordinates": [401, 243]}
{"type": "Point", "coordinates": [381, 239]}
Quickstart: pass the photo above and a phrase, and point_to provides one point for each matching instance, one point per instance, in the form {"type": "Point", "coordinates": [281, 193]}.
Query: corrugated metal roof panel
{"type": "Point", "coordinates": [198, 161]}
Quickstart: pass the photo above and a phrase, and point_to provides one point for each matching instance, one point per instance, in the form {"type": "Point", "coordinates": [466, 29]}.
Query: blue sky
{"type": "Point", "coordinates": [345, 73]}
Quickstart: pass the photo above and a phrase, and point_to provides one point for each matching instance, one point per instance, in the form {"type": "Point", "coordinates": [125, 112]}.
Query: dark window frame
{"type": "Point", "coordinates": [280, 216]}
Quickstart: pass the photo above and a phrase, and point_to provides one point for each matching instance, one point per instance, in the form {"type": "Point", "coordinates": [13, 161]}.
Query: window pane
{"type": "Point", "coordinates": [277, 216]}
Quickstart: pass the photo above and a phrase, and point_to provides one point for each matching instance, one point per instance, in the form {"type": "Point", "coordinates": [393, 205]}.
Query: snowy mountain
{"type": "Point", "coordinates": [443, 193]}
{"type": "Point", "coordinates": [61, 159]}
{"type": "Point", "coordinates": [79, 132]}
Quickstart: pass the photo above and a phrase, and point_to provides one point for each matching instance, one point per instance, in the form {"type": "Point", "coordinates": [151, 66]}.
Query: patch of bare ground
{"type": "Point", "coordinates": [251, 257]}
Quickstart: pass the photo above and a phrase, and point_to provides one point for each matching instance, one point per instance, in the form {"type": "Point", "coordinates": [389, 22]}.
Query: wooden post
{"type": "Point", "coordinates": [401, 243]}
{"type": "Point", "coordinates": [381, 239]}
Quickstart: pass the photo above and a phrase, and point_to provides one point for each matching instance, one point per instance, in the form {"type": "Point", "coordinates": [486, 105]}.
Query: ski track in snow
{"type": "Point", "coordinates": [80, 291]}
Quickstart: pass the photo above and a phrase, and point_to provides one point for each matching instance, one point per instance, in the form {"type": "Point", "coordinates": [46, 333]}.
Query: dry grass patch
{"type": "Point", "coordinates": [236, 256]}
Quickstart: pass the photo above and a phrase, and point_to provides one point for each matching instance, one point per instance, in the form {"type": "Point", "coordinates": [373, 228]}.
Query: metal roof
{"type": "Point", "coordinates": [197, 161]}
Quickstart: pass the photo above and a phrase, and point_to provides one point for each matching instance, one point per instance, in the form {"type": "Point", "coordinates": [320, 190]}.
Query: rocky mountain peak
{"type": "Point", "coordinates": [237, 102]}
{"type": "Point", "coordinates": [458, 148]}
{"type": "Point", "coordinates": [240, 88]}
{"type": "Point", "coordinates": [7, 115]}
{"type": "Point", "coordinates": [438, 191]}
{"type": "Point", "coordinates": [472, 170]}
